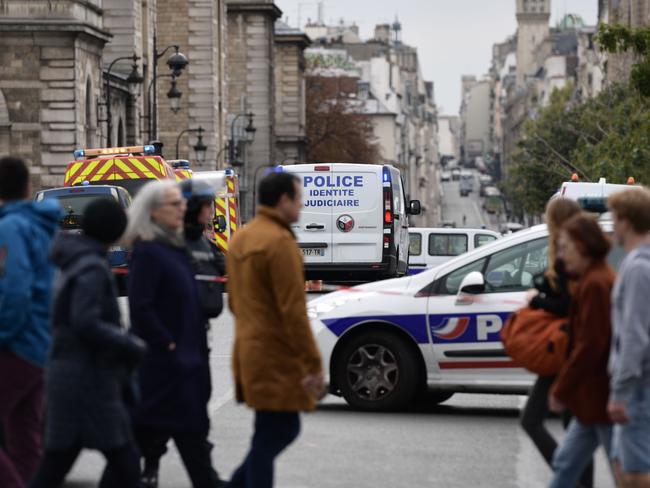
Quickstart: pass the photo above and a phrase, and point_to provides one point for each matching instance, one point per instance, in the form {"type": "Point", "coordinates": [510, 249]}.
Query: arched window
{"type": "Point", "coordinates": [89, 125]}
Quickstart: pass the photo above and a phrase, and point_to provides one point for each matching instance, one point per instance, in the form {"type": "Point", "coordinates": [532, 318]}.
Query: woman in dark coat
{"type": "Point", "coordinates": [166, 313]}
{"type": "Point", "coordinates": [87, 374]}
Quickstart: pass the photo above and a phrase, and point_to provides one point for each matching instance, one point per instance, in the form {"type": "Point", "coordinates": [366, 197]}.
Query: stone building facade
{"type": "Point", "coordinates": [251, 89]}
{"type": "Point", "coordinates": [50, 81]}
{"type": "Point", "coordinates": [290, 94]}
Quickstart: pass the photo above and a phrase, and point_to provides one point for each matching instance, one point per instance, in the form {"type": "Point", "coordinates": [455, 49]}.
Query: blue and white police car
{"type": "Point", "coordinates": [383, 343]}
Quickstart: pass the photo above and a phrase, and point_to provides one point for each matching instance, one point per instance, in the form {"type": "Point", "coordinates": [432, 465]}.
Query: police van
{"type": "Point", "coordinates": [384, 343]}
{"type": "Point", "coordinates": [354, 224]}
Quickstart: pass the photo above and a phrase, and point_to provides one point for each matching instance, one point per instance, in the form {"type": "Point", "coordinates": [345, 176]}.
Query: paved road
{"type": "Point", "coordinates": [470, 441]}
{"type": "Point", "coordinates": [454, 206]}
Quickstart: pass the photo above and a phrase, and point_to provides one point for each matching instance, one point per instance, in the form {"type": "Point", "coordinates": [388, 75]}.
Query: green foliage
{"type": "Point", "coordinates": [608, 136]}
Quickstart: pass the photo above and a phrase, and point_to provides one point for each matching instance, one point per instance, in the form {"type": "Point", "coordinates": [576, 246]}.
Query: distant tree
{"type": "Point", "coordinates": [337, 129]}
{"type": "Point", "coordinates": [604, 137]}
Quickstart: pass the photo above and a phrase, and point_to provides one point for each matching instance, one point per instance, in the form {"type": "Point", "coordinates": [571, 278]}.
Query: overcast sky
{"type": "Point", "coordinates": [453, 37]}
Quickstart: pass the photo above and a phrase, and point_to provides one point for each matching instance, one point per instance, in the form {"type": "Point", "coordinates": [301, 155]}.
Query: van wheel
{"type": "Point", "coordinates": [377, 371]}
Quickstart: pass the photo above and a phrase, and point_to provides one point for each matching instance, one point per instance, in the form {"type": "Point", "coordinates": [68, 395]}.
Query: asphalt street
{"type": "Point", "coordinates": [469, 441]}
{"type": "Point", "coordinates": [454, 207]}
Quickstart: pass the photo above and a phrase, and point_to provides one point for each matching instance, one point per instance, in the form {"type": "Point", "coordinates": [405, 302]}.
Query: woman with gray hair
{"type": "Point", "coordinates": [166, 313]}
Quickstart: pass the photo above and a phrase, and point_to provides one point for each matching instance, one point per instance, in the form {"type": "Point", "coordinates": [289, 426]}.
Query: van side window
{"type": "Point", "coordinates": [415, 244]}
{"type": "Point", "coordinates": [483, 239]}
{"type": "Point", "coordinates": [447, 244]}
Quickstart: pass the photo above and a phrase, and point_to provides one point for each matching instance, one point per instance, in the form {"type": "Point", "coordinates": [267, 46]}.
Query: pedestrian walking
{"type": "Point", "coordinates": [166, 312]}
{"type": "Point", "coordinates": [551, 293]}
{"type": "Point", "coordinates": [582, 386]}
{"type": "Point", "coordinates": [26, 275]}
{"type": "Point", "coordinates": [277, 367]}
{"type": "Point", "coordinates": [88, 370]}
{"type": "Point", "coordinates": [629, 363]}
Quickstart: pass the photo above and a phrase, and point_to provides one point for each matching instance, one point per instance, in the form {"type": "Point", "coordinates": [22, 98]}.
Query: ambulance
{"type": "Point", "coordinates": [354, 224]}
{"type": "Point", "coordinates": [129, 167]}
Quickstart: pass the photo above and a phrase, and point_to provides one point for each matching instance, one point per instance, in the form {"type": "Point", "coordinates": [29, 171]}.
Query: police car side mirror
{"type": "Point", "coordinates": [472, 284]}
{"type": "Point", "coordinates": [414, 207]}
{"type": "Point", "coordinates": [220, 224]}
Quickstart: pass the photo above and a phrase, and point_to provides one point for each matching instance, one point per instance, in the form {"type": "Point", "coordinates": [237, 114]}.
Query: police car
{"type": "Point", "coordinates": [386, 342]}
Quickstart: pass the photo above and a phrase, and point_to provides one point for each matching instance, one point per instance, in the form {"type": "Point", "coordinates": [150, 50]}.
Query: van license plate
{"type": "Point", "coordinates": [312, 251]}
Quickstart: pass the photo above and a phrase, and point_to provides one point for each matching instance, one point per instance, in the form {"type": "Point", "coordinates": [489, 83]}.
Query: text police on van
{"type": "Point", "coordinates": [332, 186]}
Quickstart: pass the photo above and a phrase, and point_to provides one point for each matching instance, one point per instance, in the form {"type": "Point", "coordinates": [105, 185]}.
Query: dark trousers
{"type": "Point", "coordinates": [535, 414]}
{"type": "Point", "coordinates": [194, 449]}
{"type": "Point", "coordinates": [21, 416]}
{"type": "Point", "coordinates": [274, 431]}
{"type": "Point", "coordinates": [122, 468]}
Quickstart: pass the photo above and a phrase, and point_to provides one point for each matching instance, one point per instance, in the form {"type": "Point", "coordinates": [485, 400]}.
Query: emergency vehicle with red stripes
{"type": "Point", "coordinates": [437, 333]}
{"type": "Point", "coordinates": [131, 167]}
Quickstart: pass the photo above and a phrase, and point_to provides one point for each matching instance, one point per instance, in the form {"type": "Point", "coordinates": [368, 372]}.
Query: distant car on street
{"type": "Point", "coordinates": [455, 174]}
{"type": "Point", "coordinates": [449, 223]}
{"type": "Point", "coordinates": [445, 176]}
{"type": "Point", "coordinates": [466, 182]}
{"type": "Point", "coordinates": [484, 181]}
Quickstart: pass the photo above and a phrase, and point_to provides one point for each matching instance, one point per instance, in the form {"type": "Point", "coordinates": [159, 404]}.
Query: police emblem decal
{"type": "Point", "coordinates": [345, 223]}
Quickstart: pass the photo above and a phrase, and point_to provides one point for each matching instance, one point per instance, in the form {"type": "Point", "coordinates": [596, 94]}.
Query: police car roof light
{"type": "Point", "coordinates": [149, 149]}
{"type": "Point", "coordinates": [386, 175]}
{"type": "Point", "coordinates": [79, 154]}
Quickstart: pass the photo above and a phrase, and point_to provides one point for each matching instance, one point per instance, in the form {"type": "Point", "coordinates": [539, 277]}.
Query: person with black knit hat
{"type": "Point", "coordinates": [88, 373]}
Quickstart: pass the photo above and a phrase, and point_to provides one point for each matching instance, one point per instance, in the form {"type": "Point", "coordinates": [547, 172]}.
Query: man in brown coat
{"type": "Point", "coordinates": [276, 364]}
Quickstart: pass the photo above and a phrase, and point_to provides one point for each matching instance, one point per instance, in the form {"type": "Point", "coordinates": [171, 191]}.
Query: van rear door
{"type": "Point", "coordinates": [357, 213]}
{"type": "Point", "coordinates": [314, 229]}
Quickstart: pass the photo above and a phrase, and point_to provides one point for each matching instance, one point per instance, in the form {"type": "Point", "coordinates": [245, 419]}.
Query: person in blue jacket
{"type": "Point", "coordinates": [26, 275]}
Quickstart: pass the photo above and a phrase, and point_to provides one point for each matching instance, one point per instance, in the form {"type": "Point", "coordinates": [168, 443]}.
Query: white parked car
{"type": "Point", "coordinates": [432, 246]}
{"type": "Point", "coordinates": [445, 176]}
{"type": "Point", "coordinates": [385, 342]}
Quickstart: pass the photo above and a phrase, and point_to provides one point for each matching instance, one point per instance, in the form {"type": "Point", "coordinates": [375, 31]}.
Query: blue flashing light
{"type": "Point", "coordinates": [85, 183]}
{"type": "Point", "coordinates": [181, 164]}
{"type": "Point", "coordinates": [79, 153]}
{"type": "Point", "coordinates": [149, 149]}
{"type": "Point", "coordinates": [278, 169]}
{"type": "Point", "coordinates": [229, 172]}
{"type": "Point", "coordinates": [386, 175]}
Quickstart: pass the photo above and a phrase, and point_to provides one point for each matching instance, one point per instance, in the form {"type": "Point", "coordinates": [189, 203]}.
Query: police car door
{"type": "Point", "coordinates": [464, 328]}
{"type": "Point", "coordinates": [357, 213]}
{"type": "Point", "coordinates": [314, 229]}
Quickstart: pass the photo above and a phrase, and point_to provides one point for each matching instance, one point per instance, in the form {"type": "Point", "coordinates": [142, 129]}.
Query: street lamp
{"type": "Point", "coordinates": [134, 78]}
{"type": "Point", "coordinates": [174, 96]}
{"type": "Point", "coordinates": [200, 148]}
{"type": "Point", "coordinates": [177, 63]}
{"type": "Point", "coordinates": [249, 136]}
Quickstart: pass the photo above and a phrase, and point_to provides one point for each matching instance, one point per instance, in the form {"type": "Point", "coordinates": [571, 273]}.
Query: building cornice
{"type": "Point", "coordinates": [53, 26]}
{"type": "Point", "coordinates": [302, 39]}
{"type": "Point", "coordinates": [267, 8]}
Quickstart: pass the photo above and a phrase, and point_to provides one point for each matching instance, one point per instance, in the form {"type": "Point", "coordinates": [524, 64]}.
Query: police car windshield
{"type": "Point", "coordinates": [74, 206]}
{"type": "Point", "coordinates": [132, 186]}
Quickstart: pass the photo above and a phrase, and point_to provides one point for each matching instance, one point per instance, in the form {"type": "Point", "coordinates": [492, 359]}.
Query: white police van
{"type": "Point", "coordinates": [354, 224]}
{"type": "Point", "coordinates": [383, 343]}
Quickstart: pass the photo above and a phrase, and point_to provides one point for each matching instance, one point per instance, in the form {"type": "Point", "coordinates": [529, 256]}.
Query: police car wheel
{"type": "Point", "coordinates": [377, 371]}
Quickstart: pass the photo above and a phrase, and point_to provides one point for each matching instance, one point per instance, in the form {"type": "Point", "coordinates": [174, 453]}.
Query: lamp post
{"type": "Point", "coordinates": [200, 148]}
{"type": "Point", "coordinates": [133, 78]}
{"type": "Point", "coordinates": [250, 131]}
{"type": "Point", "coordinates": [177, 63]}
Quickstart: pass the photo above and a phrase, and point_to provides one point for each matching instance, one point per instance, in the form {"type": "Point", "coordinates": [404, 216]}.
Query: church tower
{"type": "Point", "coordinates": [532, 29]}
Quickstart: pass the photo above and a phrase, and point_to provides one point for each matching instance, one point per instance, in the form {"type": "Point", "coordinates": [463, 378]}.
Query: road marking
{"type": "Point", "coordinates": [220, 401]}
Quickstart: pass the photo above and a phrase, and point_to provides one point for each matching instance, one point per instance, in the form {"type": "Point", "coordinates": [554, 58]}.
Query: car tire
{"type": "Point", "coordinates": [377, 371]}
